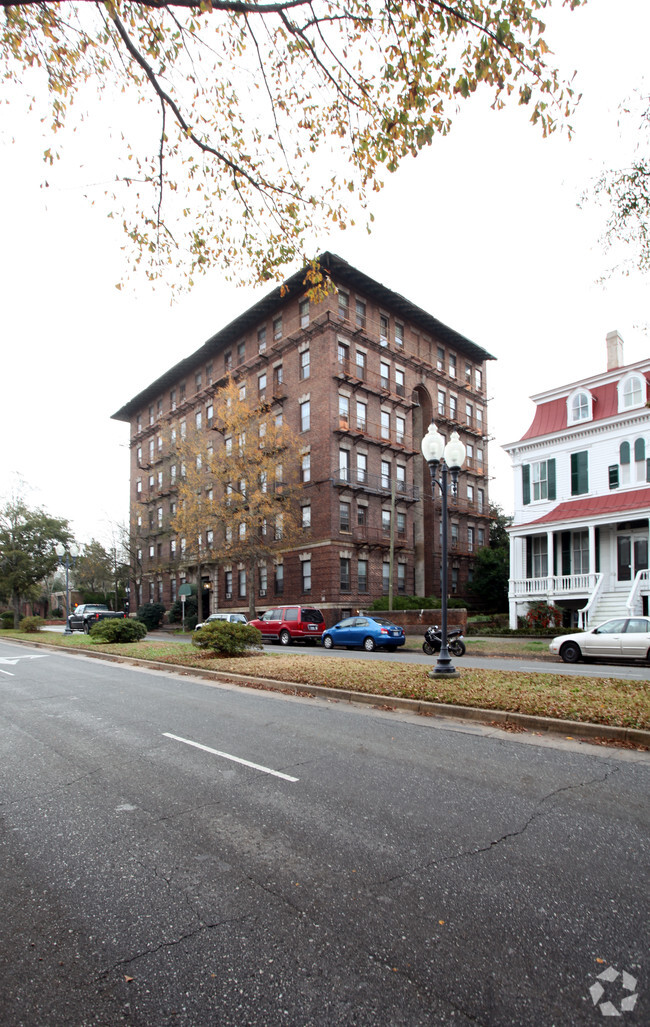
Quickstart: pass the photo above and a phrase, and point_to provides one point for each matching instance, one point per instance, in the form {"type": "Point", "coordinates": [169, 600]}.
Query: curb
{"type": "Point", "coordinates": [524, 721]}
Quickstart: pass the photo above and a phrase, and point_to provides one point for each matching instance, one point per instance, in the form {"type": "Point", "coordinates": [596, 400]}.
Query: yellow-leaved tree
{"type": "Point", "coordinates": [255, 125]}
{"type": "Point", "coordinates": [237, 486]}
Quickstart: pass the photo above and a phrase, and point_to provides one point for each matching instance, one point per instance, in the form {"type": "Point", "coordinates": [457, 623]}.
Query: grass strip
{"type": "Point", "coordinates": [609, 701]}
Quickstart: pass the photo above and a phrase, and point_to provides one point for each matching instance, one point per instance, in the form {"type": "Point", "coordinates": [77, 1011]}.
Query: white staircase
{"type": "Point", "coordinates": [609, 605]}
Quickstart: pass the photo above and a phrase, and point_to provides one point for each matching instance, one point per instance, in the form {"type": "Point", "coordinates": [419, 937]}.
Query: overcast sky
{"type": "Point", "coordinates": [483, 230]}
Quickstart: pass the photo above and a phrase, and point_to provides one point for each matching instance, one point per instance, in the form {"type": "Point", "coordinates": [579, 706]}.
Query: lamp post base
{"type": "Point", "coordinates": [444, 672]}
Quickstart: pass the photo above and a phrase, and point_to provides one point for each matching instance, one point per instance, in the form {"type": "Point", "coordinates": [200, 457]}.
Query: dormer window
{"type": "Point", "coordinates": [631, 392]}
{"type": "Point", "coordinates": [579, 407]}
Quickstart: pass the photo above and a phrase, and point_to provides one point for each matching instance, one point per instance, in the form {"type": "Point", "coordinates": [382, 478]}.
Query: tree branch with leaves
{"type": "Point", "coordinates": [276, 121]}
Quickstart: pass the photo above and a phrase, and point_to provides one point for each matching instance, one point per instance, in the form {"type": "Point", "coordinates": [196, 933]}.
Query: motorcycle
{"type": "Point", "coordinates": [433, 641]}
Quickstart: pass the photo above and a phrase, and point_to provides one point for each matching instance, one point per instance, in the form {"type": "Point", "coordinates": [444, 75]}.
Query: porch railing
{"type": "Point", "coordinates": [641, 585]}
{"type": "Point", "coordinates": [555, 585]}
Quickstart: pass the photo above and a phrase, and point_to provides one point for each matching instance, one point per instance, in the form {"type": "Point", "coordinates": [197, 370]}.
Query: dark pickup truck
{"type": "Point", "coordinates": [84, 616]}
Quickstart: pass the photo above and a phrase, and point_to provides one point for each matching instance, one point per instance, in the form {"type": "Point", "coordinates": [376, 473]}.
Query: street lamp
{"type": "Point", "coordinates": [73, 552]}
{"type": "Point", "coordinates": [446, 457]}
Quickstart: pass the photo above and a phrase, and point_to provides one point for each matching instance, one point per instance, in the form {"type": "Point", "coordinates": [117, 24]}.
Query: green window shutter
{"type": "Point", "coordinates": [566, 552]}
{"type": "Point", "coordinates": [529, 556]}
{"type": "Point", "coordinates": [579, 474]}
{"type": "Point", "coordinates": [550, 475]}
{"type": "Point", "coordinates": [613, 476]}
{"type": "Point", "coordinates": [624, 453]}
{"type": "Point", "coordinates": [639, 450]}
{"type": "Point", "coordinates": [525, 480]}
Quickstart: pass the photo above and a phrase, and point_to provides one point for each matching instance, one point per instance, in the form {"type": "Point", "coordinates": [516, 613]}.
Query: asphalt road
{"type": "Point", "coordinates": [626, 670]}
{"type": "Point", "coordinates": [360, 867]}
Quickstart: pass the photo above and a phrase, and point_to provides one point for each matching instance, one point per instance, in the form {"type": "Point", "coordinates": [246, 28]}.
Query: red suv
{"type": "Point", "coordinates": [289, 624]}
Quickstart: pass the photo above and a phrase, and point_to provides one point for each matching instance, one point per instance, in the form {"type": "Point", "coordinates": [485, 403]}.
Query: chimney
{"type": "Point", "coordinates": [614, 351]}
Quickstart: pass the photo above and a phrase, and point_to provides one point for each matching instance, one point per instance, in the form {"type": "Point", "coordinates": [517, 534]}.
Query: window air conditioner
{"type": "Point", "coordinates": [228, 595]}
{"type": "Point", "coordinates": [262, 593]}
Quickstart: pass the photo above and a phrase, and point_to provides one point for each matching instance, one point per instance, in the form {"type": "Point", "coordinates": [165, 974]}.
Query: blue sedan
{"type": "Point", "coordinates": [367, 633]}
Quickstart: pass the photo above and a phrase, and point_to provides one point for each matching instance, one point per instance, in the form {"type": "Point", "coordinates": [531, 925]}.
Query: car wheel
{"type": "Point", "coordinates": [369, 644]}
{"type": "Point", "coordinates": [570, 652]}
{"type": "Point", "coordinates": [285, 637]}
{"type": "Point", "coordinates": [328, 643]}
{"type": "Point", "coordinates": [86, 629]}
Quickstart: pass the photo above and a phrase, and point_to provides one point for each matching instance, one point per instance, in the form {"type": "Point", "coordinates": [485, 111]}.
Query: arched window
{"type": "Point", "coordinates": [580, 407]}
{"type": "Point", "coordinates": [624, 453]}
{"type": "Point", "coordinates": [639, 450]}
{"type": "Point", "coordinates": [632, 391]}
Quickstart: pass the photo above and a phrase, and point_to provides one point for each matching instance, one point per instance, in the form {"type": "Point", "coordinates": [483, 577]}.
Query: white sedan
{"type": "Point", "coordinates": [624, 638]}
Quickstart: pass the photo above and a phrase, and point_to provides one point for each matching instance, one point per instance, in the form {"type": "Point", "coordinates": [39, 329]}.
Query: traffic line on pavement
{"type": "Point", "coordinates": [228, 756]}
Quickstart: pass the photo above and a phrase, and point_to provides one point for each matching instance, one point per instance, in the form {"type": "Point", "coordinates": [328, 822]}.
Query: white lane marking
{"type": "Point", "coordinates": [8, 673]}
{"type": "Point", "coordinates": [13, 660]}
{"type": "Point", "coordinates": [227, 756]}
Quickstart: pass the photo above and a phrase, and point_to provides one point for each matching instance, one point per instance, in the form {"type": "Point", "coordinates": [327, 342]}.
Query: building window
{"type": "Point", "coordinates": [400, 478]}
{"type": "Point", "coordinates": [362, 575]}
{"type": "Point", "coordinates": [343, 354]}
{"type": "Point", "coordinates": [383, 330]}
{"type": "Point", "coordinates": [241, 583]}
{"type": "Point", "coordinates": [344, 464]}
{"type": "Point", "coordinates": [344, 411]}
{"type": "Point", "coordinates": [241, 352]}
{"type": "Point", "coordinates": [197, 381]}
{"type": "Point", "coordinates": [362, 468]}
{"type": "Point", "coordinates": [385, 474]}
{"type": "Point", "coordinates": [538, 481]}
{"type": "Point", "coordinates": [261, 340]}
{"type": "Point", "coordinates": [399, 382]}
{"type": "Point", "coordinates": [470, 495]}
{"type": "Point", "coordinates": [481, 537]}
{"type": "Point", "coordinates": [385, 522]}
{"type": "Point", "coordinates": [360, 313]}
{"type": "Point", "coordinates": [305, 415]}
{"type": "Point", "coordinates": [400, 523]}
{"type": "Point", "coordinates": [632, 393]}
{"type": "Point", "coordinates": [362, 515]}
{"type": "Point", "coordinates": [362, 411]}
{"type": "Point", "coordinates": [478, 379]}
{"type": "Point", "coordinates": [344, 573]}
{"type": "Point", "coordinates": [481, 500]}
{"type": "Point", "coordinates": [360, 359]}
{"type": "Point", "coordinates": [640, 460]}
{"type": "Point", "coordinates": [385, 576]}
{"type": "Point", "coordinates": [442, 403]}
{"type": "Point", "coordinates": [172, 399]}
{"type": "Point", "coordinates": [344, 516]}
{"type": "Point", "coordinates": [227, 580]}
{"type": "Point", "coordinates": [227, 360]}
{"type": "Point", "coordinates": [613, 476]}
{"type": "Point", "coordinates": [306, 515]}
{"type": "Point", "coordinates": [305, 568]}
{"type": "Point", "coordinates": [470, 539]}
{"type": "Point", "coordinates": [173, 589]}
{"type": "Point", "coordinates": [469, 414]}
{"type": "Point", "coordinates": [399, 334]}
{"type": "Point", "coordinates": [262, 580]}
{"type": "Point", "coordinates": [452, 366]}
{"type": "Point", "coordinates": [401, 578]}
{"type": "Point", "coordinates": [305, 467]}
{"type": "Point", "coordinates": [277, 328]}
{"type": "Point", "coordinates": [580, 407]}
{"type": "Point", "coordinates": [278, 377]}
{"type": "Point", "coordinates": [278, 579]}
{"type": "Point", "coordinates": [453, 407]}
{"type": "Point", "coordinates": [454, 535]}
{"type": "Point", "coordinates": [385, 424]}
{"type": "Point", "coordinates": [579, 473]}
{"type": "Point", "coordinates": [198, 420]}
{"type": "Point", "coordinates": [304, 363]}
{"type": "Point", "coordinates": [344, 306]}
{"type": "Point", "coordinates": [261, 383]}
{"type": "Point", "coordinates": [400, 429]}
{"type": "Point", "coordinates": [303, 310]}
{"type": "Point", "coordinates": [384, 375]}
{"type": "Point", "coordinates": [440, 359]}
{"type": "Point", "coordinates": [580, 552]}
{"type": "Point", "coordinates": [539, 561]}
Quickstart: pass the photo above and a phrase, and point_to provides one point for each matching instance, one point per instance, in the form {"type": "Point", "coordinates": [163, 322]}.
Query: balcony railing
{"type": "Point", "coordinates": [378, 483]}
{"type": "Point", "coordinates": [555, 585]}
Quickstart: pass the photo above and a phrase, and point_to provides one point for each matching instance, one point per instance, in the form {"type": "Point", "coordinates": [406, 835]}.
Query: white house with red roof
{"type": "Point", "coordinates": [580, 532]}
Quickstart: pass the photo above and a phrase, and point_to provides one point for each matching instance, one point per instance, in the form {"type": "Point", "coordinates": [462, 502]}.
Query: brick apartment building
{"type": "Point", "coordinates": [358, 375]}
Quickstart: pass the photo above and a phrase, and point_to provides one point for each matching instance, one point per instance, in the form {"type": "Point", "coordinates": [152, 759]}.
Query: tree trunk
{"type": "Point", "coordinates": [252, 614]}
{"type": "Point", "coordinates": [15, 600]}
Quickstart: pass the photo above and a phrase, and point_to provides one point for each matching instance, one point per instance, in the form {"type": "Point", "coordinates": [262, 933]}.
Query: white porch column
{"type": "Point", "coordinates": [592, 548]}
{"type": "Point", "coordinates": [517, 571]}
{"type": "Point", "coordinates": [550, 570]}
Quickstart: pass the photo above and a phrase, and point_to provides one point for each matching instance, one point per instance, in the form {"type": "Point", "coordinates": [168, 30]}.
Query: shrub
{"type": "Point", "coordinates": [151, 615]}
{"type": "Point", "coordinates": [542, 615]}
{"type": "Point", "coordinates": [191, 611]}
{"type": "Point", "coordinates": [7, 618]}
{"type": "Point", "coordinates": [30, 623]}
{"type": "Point", "coordinates": [227, 639]}
{"type": "Point", "coordinates": [118, 630]}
